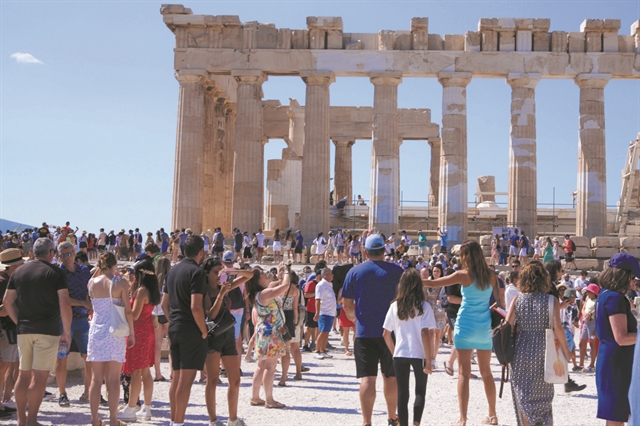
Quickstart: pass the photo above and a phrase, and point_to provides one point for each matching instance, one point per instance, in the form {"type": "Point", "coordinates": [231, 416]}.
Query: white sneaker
{"type": "Point", "coordinates": [10, 403]}
{"type": "Point", "coordinates": [128, 414]}
{"type": "Point", "coordinates": [216, 422]}
{"type": "Point", "coordinates": [318, 355]}
{"type": "Point", "coordinates": [236, 422]}
{"type": "Point", "coordinates": [144, 413]}
{"type": "Point", "coordinates": [326, 355]}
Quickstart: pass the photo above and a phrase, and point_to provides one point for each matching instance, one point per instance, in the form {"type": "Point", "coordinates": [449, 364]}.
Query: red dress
{"type": "Point", "coordinates": [343, 321]}
{"type": "Point", "coordinates": [142, 354]}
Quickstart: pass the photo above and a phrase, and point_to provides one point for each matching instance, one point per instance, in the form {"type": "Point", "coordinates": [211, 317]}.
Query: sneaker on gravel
{"type": "Point", "coordinates": [10, 403]}
{"type": "Point", "coordinates": [572, 386]}
{"type": "Point", "coordinates": [216, 422]}
{"type": "Point", "coordinates": [48, 396]}
{"type": "Point", "coordinates": [236, 422]}
{"type": "Point", "coordinates": [318, 355]}
{"type": "Point", "coordinates": [83, 398]}
{"type": "Point", "coordinates": [128, 414]}
{"type": "Point", "coordinates": [63, 401]}
{"type": "Point", "coordinates": [326, 355]}
{"type": "Point", "coordinates": [144, 413]}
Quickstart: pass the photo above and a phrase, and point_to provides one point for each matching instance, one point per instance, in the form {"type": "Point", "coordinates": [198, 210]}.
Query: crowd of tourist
{"type": "Point", "coordinates": [71, 294]}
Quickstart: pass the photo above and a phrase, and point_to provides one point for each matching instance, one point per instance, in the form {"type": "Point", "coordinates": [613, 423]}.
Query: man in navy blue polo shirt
{"type": "Point", "coordinates": [371, 286]}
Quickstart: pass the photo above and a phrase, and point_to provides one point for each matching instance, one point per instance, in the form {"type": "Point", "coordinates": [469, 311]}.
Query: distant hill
{"type": "Point", "coordinates": [13, 226]}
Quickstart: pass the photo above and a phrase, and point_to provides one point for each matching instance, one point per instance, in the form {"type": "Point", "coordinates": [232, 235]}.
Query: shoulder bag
{"type": "Point", "coordinates": [556, 369]}
{"type": "Point", "coordinates": [118, 325]}
{"type": "Point", "coordinates": [225, 321]}
{"type": "Point", "coordinates": [496, 317]}
{"type": "Point", "coordinates": [504, 345]}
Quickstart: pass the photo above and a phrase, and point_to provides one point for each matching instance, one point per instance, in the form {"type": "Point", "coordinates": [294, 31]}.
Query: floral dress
{"type": "Point", "coordinates": [269, 329]}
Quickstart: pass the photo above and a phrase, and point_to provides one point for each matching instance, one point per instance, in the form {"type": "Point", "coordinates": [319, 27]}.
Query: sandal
{"type": "Point", "coordinates": [276, 405]}
{"type": "Point", "coordinates": [490, 420]}
{"type": "Point", "coordinates": [305, 369]}
{"type": "Point", "coordinates": [448, 369]}
{"type": "Point", "coordinates": [297, 377]}
{"type": "Point", "coordinates": [257, 403]}
{"type": "Point", "coordinates": [282, 384]}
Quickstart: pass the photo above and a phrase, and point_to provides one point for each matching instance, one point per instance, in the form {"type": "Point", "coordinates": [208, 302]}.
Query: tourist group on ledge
{"type": "Point", "coordinates": [220, 306]}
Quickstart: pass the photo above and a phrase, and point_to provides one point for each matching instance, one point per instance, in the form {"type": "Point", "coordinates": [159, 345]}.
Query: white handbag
{"type": "Point", "coordinates": [118, 325]}
{"type": "Point", "coordinates": [556, 368]}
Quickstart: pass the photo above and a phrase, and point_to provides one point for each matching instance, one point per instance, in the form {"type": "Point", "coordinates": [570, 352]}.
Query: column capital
{"type": "Point", "coordinates": [592, 81]}
{"type": "Point", "coordinates": [318, 78]}
{"type": "Point", "coordinates": [387, 78]}
{"type": "Point", "coordinates": [191, 76]}
{"type": "Point", "coordinates": [343, 141]}
{"type": "Point", "coordinates": [523, 79]}
{"type": "Point", "coordinates": [434, 142]}
{"type": "Point", "coordinates": [249, 76]}
{"type": "Point", "coordinates": [456, 79]}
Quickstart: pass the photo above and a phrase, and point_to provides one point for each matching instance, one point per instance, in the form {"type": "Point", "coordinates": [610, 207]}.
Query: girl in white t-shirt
{"type": "Point", "coordinates": [410, 317]}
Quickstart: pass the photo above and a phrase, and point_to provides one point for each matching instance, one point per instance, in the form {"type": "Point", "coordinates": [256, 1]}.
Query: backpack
{"type": "Point", "coordinates": [504, 346]}
{"type": "Point", "coordinates": [573, 245]}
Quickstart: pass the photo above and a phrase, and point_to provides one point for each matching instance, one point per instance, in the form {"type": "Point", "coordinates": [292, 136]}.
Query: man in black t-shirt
{"type": "Point", "coordinates": [182, 300]}
{"type": "Point", "coordinates": [37, 299]}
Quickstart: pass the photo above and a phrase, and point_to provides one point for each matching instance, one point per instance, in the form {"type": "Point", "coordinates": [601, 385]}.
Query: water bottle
{"type": "Point", "coordinates": [439, 306]}
{"type": "Point", "coordinates": [63, 349]}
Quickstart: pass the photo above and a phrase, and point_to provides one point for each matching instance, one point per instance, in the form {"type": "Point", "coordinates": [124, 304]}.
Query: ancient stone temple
{"type": "Point", "coordinates": [224, 122]}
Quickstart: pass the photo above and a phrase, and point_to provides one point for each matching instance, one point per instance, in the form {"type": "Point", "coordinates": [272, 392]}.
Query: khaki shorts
{"type": "Point", "coordinates": [37, 351]}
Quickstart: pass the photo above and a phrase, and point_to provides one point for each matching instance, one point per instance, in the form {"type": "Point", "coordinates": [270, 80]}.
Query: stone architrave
{"type": "Point", "coordinates": [187, 184]}
{"type": "Point", "coordinates": [452, 206]}
{"type": "Point", "coordinates": [385, 184]}
{"type": "Point", "coordinates": [434, 178]}
{"type": "Point", "coordinates": [342, 174]}
{"type": "Point", "coordinates": [522, 203]}
{"type": "Point", "coordinates": [316, 160]}
{"type": "Point", "coordinates": [591, 210]}
{"type": "Point", "coordinates": [248, 182]}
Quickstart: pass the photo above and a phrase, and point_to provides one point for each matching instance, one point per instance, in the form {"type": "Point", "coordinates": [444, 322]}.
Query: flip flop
{"type": "Point", "coordinates": [282, 384]}
{"type": "Point", "coordinates": [448, 369]}
{"type": "Point", "coordinates": [276, 405]}
{"type": "Point", "coordinates": [257, 403]}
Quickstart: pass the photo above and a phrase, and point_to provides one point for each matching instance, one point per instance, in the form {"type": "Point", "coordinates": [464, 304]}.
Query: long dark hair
{"type": "Point", "coordinates": [409, 296]}
{"type": "Point", "coordinates": [146, 277]}
{"type": "Point", "coordinates": [253, 286]}
{"type": "Point", "coordinates": [437, 266]}
{"type": "Point", "coordinates": [473, 260]}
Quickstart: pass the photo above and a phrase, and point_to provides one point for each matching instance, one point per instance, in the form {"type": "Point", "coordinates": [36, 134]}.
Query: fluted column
{"type": "Point", "coordinates": [591, 210]}
{"type": "Point", "coordinates": [283, 190]}
{"type": "Point", "coordinates": [227, 156]}
{"type": "Point", "coordinates": [296, 127]}
{"type": "Point", "coordinates": [523, 189]}
{"type": "Point", "coordinates": [248, 182]}
{"type": "Point", "coordinates": [208, 180]}
{"type": "Point", "coordinates": [434, 181]}
{"type": "Point", "coordinates": [342, 172]}
{"type": "Point", "coordinates": [385, 187]}
{"type": "Point", "coordinates": [187, 184]}
{"type": "Point", "coordinates": [314, 207]}
{"type": "Point", "coordinates": [452, 206]}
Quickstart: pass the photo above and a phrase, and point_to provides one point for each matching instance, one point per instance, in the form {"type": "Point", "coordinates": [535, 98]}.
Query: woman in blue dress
{"type": "Point", "coordinates": [617, 330]}
{"type": "Point", "coordinates": [473, 325]}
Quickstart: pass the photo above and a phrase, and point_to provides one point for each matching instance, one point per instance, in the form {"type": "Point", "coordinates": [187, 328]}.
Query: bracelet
{"type": "Point", "coordinates": [285, 273]}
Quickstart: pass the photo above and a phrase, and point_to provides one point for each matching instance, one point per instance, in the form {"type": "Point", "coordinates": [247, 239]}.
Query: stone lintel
{"type": "Point", "coordinates": [249, 76]}
{"type": "Point", "coordinates": [611, 25]}
{"type": "Point", "coordinates": [541, 25]}
{"type": "Point", "coordinates": [521, 79]}
{"type": "Point", "coordinates": [386, 78]}
{"type": "Point", "coordinates": [318, 77]}
{"type": "Point", "coordinates": [591, 25]}
{"type": "Point", "coordinates": [174, 9]}
{"type": "Point", "coordinates": [592, 81]}
{"type": "Point", "coordinates": [454, 78]}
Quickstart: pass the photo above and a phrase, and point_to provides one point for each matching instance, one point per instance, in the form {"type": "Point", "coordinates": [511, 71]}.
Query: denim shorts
{"type": "Point", "coordinates": [570, 342]}
{"type": "Point", "coordinates": [237, 325]}
{"type": "Point", "coordinates": [79, 333]}
{"type": "Point", "coordinates": [325, 322]}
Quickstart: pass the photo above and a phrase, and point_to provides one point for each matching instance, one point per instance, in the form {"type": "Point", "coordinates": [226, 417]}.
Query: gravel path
{"type": "Point", "coordinates": [329, 395]}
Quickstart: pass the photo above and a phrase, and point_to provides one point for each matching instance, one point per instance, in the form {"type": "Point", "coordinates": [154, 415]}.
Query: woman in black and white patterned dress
{"type": "Point", "coordinates": [532, 396]}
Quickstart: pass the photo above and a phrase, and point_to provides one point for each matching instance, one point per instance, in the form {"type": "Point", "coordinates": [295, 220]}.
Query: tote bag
{"type": "Point", "coordinates": [118, 325]}
{"type": "Point", "coordinates": [556, 369]}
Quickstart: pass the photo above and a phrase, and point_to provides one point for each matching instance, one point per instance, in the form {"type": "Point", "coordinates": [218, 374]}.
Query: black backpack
{"type": "Point", "coordinates": [573, 246]}
{"type": "Point", "coordinates": [504, 346]}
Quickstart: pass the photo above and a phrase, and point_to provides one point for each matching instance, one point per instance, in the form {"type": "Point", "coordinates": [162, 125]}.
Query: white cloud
{"type": "Point", "coordinates": [26, 58]}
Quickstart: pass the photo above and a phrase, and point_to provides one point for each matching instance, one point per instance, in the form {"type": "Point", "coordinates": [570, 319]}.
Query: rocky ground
{"type": "Point", "coordinates": [329, 395]}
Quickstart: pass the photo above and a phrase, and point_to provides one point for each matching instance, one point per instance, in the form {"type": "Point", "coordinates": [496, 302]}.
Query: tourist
{"type": "Point", "coordinates": [524, 245]}
{"type": "Point", "coordinates": [569, 252]}
{"type": "Point", "coordinates": [340, 241]}
{"type": "Point", "coordinates": [78, 277]}
{"type": "Point", "coordinates": [410, 318]}
{"type": "Point", "coordinates": [277, 247]}
{"type": "Point", "coordinates": [311, 323]}
{"type": "Point", "coordinates": [532, 396]}
{"type": "Point", "coordinates": [514, 241]}
{"type": "Point", "coordinates": [516, 265]}
{"type": "Point", "coordinates": [237, 243]}
{"type": "Point", "coordinates": [291, 308]}
{"type": "Point", "coordinates": [495, 250]}
{"type": "Point", "coordinates": [222, 347]}
{"type": "Point", "coordinates": [537, 248]}
{"type": "Point", "coordinates": [547, 250]}
{"type": "Point", "coordinates": [260, 239]}
{"type": "Point", "coordinates": [617, 330]}
{"type": "Point", "coordinates": [432, 296]}
{"type": "Point", "coordinates": [37, 300]}
{"type": "Point", "coordinates": [569, 318]}
{"type": "Point", "coordinates": [473, 325]}
{"type": "Point", "coordinates": [556, 249]}
{"type": "Point", "coordinates": [454, 299]}
{"type": "Point", "coordinates": [183, 300]}
{"type": "Point", "coordinates": [217, 242]}
{"type": "Point", "coordinates": [320, 244]}
{"type": "Point", "coordinates": [422, 243]}
{"type": "Point", "coordinates": [511, 289]}
{"type": "Point", "coordinates": [289, 244]}
{"type": "Point", "coordinates": [106, 352]}
{"type": "Point", "coordinates": [325, 312]}
{"type": "Point", "coordinates": [368, 291]}
{"type": "Point", "coordinates": [588, 326]}
{"type": "Point", "coordinates": [206, 240]}
{"type": "Point", "coordinates": [102, 241]}
{"type": "Point", "coordinates": [580, 284]}
{"type": "Point", "coordinates": [11, 260]}
{"type": "Point", "coordinates": [299, 240]}
{"type": "Point", "coordinates": [164, 241]}
{"type": "Point", "coordinates": [163, 266]}
{"type": "Point", "coordinates": [269, 332]}
{"type": "Point", "coordinates": [354, 249]}
{"type": "Point", "coordinates": [346, 326]}
{"type": "Point", "coordinates": [331, 244]}
{"type": "Point", "coordinates": [443, 235]}
{"type": "Point", "coordinates": [145, 295]}
{"type": "Point", "coordinates": [634, 388]}
{"type": "Point", "coordinates": [246, 244]}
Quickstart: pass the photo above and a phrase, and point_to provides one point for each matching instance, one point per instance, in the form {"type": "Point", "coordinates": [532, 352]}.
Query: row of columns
{"type": "Point", "coordinates": [209, 151]}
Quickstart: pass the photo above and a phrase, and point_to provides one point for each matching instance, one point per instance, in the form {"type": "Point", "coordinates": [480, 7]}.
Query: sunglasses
{"type": "Point", "coordinates": [66, 255]}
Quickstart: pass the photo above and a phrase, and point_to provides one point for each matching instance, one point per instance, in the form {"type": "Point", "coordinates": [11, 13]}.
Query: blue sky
{"type": "Point", "coordinates": [88, 135]}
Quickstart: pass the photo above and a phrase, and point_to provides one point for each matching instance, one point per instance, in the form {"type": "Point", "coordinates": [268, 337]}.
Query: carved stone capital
{"type": "Point", "coordinates": [526, 80]}
{"type": "Point", "coordinates": [318, 78]}
{"type": "Point", "coordinates": [592, 81]}
{"type": "Point", "coordinates": [454, 79]}
{"type": "Point", "coordinates": [387, 78]}
{"type": "Point", "coordinates": [343, 141]}
{"type": "Point", "coordinates": [191, 76]}
{"type": "Point", "coordinates": [249, 76]}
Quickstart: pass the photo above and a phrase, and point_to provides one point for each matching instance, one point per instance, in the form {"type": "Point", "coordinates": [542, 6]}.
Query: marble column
{"type": "Point", "coordinates": [342, 172]}
{"type": "Point", "coordinates": [385, 187]}
{"type": "Point", "coordinates": [452, 205]}
{"type": "Point", "coordinates": [296, 127]}
{"type": "Point", "coordinates": [228, 157]}
{"type": "Point", "coordinates": [591, 210]}
{"type": "Point", "coordinates": [248, 182]}
{"type": "Point", "coordinates": [283, 190]}
{"type": "Point", "coordinates": [314, 205]}
{"type": "Point", "coordinates": [209, 222]}
{"type": "Point", "coordinates": [434, 178]}
{"type": "Point", "coordinates": [523, 189]}
{"type": "Point", "coordinates": [187, 184]}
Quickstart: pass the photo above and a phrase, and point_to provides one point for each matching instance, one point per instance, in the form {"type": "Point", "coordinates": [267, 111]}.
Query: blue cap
{"type": "Point", "coordinates": [374, 242]}
{"type": "Point", "coordinates": [627, 262]}
{"type": "Point", "coordinates": [228, 256]}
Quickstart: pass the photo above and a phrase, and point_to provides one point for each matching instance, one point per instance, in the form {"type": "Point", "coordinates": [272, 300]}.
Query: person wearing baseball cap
{"type": "Point", "coordinates": [617, 330]}
{"type": "Point", "coordinates": [371, 286]}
